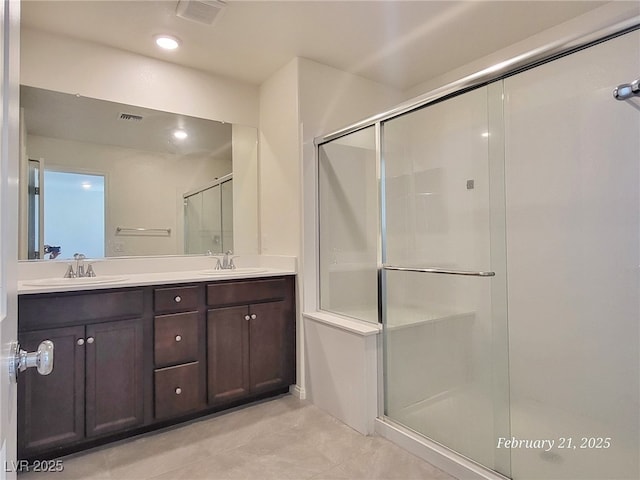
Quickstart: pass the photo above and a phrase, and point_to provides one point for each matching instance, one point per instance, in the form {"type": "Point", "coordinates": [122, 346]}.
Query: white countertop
{"type": "Point", "coordinates": [46, 276]}
{"type": "Point", "coordinates": [142, 279]}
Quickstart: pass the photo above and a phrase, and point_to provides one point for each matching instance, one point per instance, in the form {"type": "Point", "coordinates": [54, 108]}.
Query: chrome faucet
{"type": "Point", "coordinates": [227, 261]}
{"type": "Point", "coordinates": [80, 271]}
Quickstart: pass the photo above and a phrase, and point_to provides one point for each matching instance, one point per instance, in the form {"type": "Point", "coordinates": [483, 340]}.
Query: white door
{"type": "Point", "coordinates": [9, 152]}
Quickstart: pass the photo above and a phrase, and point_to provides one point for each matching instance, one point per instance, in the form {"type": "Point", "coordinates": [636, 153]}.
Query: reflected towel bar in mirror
{"type": "Point", "coordinates": [142, 231]}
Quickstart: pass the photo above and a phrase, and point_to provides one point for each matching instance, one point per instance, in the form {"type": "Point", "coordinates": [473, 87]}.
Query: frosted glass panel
{"type": "Point", "coordinates": [192, 220]}
{"type": "Point", "coordinates": [227, 215]}
{"type": "Point", "coordinates": [348, 191]}
{"type": "Point", "coordinates": [212, 220]}
{"type": "Point", "coordinates": [573, 156]}
{"type": "Point", "coordinates": [446, 335]}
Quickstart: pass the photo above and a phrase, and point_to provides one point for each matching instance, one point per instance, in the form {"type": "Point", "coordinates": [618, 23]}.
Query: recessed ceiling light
{"type": "Point", "coordinates": [168, 42]}
{"type": "Point", "coordinates": [180, 134]}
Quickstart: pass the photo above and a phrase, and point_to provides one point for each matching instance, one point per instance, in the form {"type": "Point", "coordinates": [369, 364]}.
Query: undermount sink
{"type": "Point", "coordinates": [232, 271]}
{"type": "Point", "coordinates": [65, 282]}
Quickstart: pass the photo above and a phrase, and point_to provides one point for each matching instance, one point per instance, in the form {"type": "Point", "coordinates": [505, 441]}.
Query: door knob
{"type": "Point", "coordinates": [20, 360]}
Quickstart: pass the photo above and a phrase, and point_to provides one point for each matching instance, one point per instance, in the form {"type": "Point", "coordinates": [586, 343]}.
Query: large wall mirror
{"type": "Point", "coordinates": [110, 180]}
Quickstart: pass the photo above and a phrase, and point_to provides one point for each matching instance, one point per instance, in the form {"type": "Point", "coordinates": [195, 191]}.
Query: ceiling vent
{"type": "Point", "coordinates": [201, 11]}
{"type": "Point", "coordinates": [130, 117]}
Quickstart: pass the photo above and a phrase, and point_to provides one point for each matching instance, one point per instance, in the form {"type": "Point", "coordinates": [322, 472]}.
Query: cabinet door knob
{"type": "Point", "coordinates": [80, 341]}
{"type": "Point", "coordinates": [253, 316]}
{"type": "Point", "coordinates": [178, 338]}
{"type": "Point", "coordinates": [90, 340]}
{"type": "Point", "coordinates": [178, 298]}
{"type": "Point", "coordinates": [178, 391]}
{"type": "Point", "coordinates": [247, 317]}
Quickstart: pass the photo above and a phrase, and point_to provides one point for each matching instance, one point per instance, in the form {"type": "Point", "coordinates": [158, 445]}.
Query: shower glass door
{"type": "Point", "coordinates": [444, 283]}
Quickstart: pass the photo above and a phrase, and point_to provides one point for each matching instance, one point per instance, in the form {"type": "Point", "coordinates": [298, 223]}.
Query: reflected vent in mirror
{"type": "Point", "coordinates": [130, 117]}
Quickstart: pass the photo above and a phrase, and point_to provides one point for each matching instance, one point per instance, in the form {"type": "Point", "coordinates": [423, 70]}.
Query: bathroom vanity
{"type": "Point", "coordinates": [139, 357]}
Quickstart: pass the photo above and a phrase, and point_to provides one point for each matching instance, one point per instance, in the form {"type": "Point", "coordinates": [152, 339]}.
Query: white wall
{"type": "Point", "coordinates": [72, 66]}
{"type": "Point", "coordinates": [573, 231]}
{"type": "Point", "coordinates": [564, 34]}
{"type": "Point", "coordinates": [279, 170]}
{"type": "Point", "coordinates": [244, 145]}
{"type": "Point", "coordinates": [144, 189]}
{"type": "Point", "coordinates": [331, 99]}
{"type": "Point", "coordinates": [302, 100]}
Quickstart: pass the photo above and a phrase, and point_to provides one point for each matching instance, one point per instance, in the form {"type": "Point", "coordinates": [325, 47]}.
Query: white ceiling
{"type": "Point", "coordinates": [398, 43]}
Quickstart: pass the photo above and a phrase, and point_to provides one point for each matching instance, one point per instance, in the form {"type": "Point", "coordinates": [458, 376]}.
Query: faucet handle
{"type": "Point", "coordinates": [69, 273]}
{"type": "Point", "coordinates": [218, 264]}
{"type": "Point", "coordinates": [90, 271]}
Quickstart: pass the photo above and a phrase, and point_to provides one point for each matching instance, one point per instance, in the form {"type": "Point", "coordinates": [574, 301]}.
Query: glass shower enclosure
{"type": "Point", "coordinates": [505, 264]}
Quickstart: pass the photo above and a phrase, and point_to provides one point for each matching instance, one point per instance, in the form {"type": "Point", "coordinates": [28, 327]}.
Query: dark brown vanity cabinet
{"type": "Point", "coordinates": [250, 345]}
{"type": "Point", "coordinates": [96, 387]}
{"type": "Point", "coordinates": [130, 360]}
{"type": "Point", "coordinates": [178, 351]}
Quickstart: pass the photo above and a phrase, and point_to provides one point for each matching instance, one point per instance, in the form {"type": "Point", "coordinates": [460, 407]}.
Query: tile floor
{"type": "Point", "coordinates": [284, 438]}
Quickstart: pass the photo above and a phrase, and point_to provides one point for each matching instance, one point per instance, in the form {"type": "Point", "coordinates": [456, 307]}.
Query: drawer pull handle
{"type": "Point", "coordinates": [178, 391]}
{"type": "Point", "coordinates": [178, 338]}
{"type": "Point", "coordinates": [253, 316]}
{"type": "Point", "coordinates": [80, 341]}
{"type": "Point", "coordinates": [247, 317]}
{"type": "Point", "coordinates": [178, 298]}
{"type": "Point", "coordinates": [90, 340]}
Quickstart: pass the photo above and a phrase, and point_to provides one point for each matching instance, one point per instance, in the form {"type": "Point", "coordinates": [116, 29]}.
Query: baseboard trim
{"type": "Point", "coordinates": [450, 462]}
{"type": "Point", "coordinates": [298, 391]}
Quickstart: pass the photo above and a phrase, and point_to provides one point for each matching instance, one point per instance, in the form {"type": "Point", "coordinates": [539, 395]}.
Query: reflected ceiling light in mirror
{"type": "Point", "coordinates": [86, 185]}
{"type": "Point", "coordinates": [167, 42]}
{"type": "Point", "coordinates": [180, 134]}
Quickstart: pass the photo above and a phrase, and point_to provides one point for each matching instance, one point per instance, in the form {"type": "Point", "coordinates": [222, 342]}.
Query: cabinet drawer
{"type": "Point", "coordinates": [176, 339]}
{"type": "Point", "coordinates": [175, 299]}
{"type": "Point", "coordinates": [177, 390]}
{"type": "Point", "coordinates": [237, 293]}
{"type": "Point", "coordinates": [53, 310]}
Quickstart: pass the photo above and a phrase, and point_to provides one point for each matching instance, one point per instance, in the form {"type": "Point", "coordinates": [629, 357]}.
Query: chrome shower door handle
{"type": "Point", "coordinates": [627, 90]}
{"type": "Point", "coordinates": [441, 271]}
{"type": "Point", "coordinates": [20, 360]}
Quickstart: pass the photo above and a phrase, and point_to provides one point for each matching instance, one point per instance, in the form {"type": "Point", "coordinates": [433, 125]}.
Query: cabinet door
{"type": "Point", "coordinates": [227, 354]}
{"type": "Point", "coordinates": [51, 407]}
{"type": "Point", "coordinates": [270, 347]}
{"type": "Point", "coordinates": [114, 376]}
